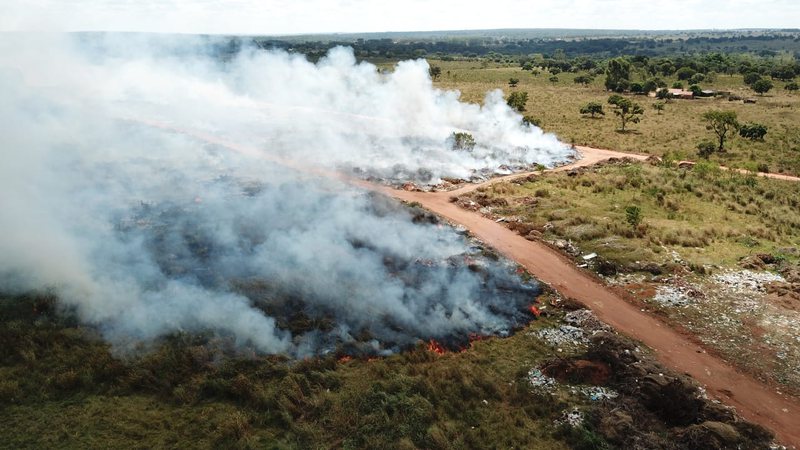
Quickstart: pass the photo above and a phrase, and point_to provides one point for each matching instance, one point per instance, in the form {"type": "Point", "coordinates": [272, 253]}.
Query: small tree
{"type": "Point", "coordinates": [753, 131]}
{"type": "Point", "coordinates": [462, 141]}
{"type": "Point", "coordinates": [751, 77]}
{"type": "Point", "coordinates": [517, 100]}
{"type": "Point", "coordinates": [626, 110]}
{"type": "Point", "coordinates": [553, 79]}
{"type": "Point", "coordinates": [685, 73]}
{"type": "Point", "coordinates": [633, 215]}
{"type": "Point", "coordinates": [721, 122]}
{"type": "Point", "coordinates": [435, 72]}
{"type": "Point", "coordinates": [583, 79]}
{"type": "Point", "coordinates": [791, 87]}
{"type": "Point", "coordinates": [706, 149]}
{"type": "Point", "coordinates": [659, 107]}
{"type": "Point", "coordinates": [618, 74]}
{"type": "Point", "coordinates": [513, 82]}
{"type": "Point", "coordinates": [762, 86]}
{"type": "Point", "coordinates": [531, 121]}
{"type": "Point", "coordinates": [593, 108]}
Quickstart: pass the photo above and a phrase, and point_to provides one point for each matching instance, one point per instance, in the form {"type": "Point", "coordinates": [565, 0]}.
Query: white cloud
{"type": "Point", "coordinates": [287, 17]}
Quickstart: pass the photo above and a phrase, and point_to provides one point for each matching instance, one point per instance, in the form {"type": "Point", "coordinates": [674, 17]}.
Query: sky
{"type": "Point", "coordinates": [277, 17]}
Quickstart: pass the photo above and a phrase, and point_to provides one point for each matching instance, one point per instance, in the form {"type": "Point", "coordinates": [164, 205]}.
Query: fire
{"type": "Point", "coordinates": [436, 347]}
{"type": "Point", "coordinates": [345, 359]}
{"type": "Point", "coordinates": [534, 310]}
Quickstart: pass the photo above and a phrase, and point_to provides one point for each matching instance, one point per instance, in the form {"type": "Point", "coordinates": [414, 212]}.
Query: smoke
{"type": "Point", "coordinates": [145, 232]}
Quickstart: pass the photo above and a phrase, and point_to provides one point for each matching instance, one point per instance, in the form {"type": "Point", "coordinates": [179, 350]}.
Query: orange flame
{"type": "Point", "coordinates": [534, 310]}
{"type": "Point", "coordinates": [436, 347]}
{"type": "Point", "coordinates": [345, 359]}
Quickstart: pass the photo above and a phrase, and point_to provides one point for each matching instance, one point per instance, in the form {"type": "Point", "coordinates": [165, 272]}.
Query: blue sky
{"type": "Point", "coordinates": [318, 16]}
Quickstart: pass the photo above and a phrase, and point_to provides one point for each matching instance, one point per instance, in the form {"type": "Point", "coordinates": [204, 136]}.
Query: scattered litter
{"type": "Point", "coordinates": [590, 257]}
{"type": "Point", "coordinates": [747, 281]}
{"type": "Point", "coordinates": [675, 296]}
{"type": "Point", "coordinates": [563, 335]}
{"type": "Point", "coordinates": [586, 320]}
{"type": "Point", "coordinates": [573, 418]}
{"type": "Point", "coordinates": [539, 380]}
{"type": "Point", "coordinates": [598, 393]}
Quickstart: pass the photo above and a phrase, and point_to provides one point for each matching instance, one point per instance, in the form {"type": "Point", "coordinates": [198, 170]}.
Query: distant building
{"type": "Point", "coordinates": [681, 93]}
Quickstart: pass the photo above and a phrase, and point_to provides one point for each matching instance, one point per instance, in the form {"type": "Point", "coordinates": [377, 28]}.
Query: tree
{"type": "Point", "coordinates": [554, 70]}
{"type": "Point", "coordinates": [637, 88]}
{"type": "Point", "coordinates": [583, 79]}
{"type": "Point", "coordinates": [762, 86]}
{"type": "Point", "coordinates": [593, 108]}
{"type": "Point", "coordinates": [531, 121]}
{"type": "Point", "coordinates": [553, 79]}
{"type": "Point", "coordinates": [685, 73]}
{"type": "Point", "coordinates": [633, 215]}
{"type": "Point", "coordinates": [753, 131]}
{"type": "Point", "coordinates": [659, 107]}
{"type": "Point", "coordinates": [513, 82]}
{"type": "Point", "coordinates": [751, 77]}
{"type": "Point", "coordinates": [721, 122]}
{"type": "Point", "coordinates": [626, 110]}
{"type": "Point", "coordinates": [462, 141]}
{"type": "Point", "coordinates": [517, 100]}
{"type": "Point", "coordinates": [618, 74]}
{"type": "Point", "coordinates": [706, 149]}
{"type": "Point", "coordinates": [677, 85]}
{"type": "Point", "coordinates": [791, 87]}
{"type": "Point", "coordinates": [697, 78]}
{"type": "Point", "coordinates": [434, 72]}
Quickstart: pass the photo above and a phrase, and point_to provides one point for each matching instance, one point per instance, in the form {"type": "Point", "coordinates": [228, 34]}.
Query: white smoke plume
{"type": "Point", "coordinates": [145, 232]}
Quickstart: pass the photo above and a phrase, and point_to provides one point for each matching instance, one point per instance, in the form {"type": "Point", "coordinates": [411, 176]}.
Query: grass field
{"type": "Point", "coordinates": [707, 216]}
{"type": "Point", "coordinates": [677, 130]}
{"type": "Point", "coordinates": [60, 387]}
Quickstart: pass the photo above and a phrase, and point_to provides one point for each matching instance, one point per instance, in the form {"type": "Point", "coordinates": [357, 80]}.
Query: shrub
{"type": "Point", "coordinates": [633, 215]}
{"type": "Point", "coordinates": [706, 149]}
{"type": "Point", "coordinates": [462, 141]}
{"type": "Point", "coordinates": [753, 131]}
{"type": "Point", "coordinates": [517, 100]}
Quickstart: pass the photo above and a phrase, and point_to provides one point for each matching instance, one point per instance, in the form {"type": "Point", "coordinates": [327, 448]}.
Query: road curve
{"type": "Point", "coordinates": [752, 399]}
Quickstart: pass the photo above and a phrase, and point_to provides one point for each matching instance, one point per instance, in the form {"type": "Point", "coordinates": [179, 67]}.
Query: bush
{"type": "Point", "coordinates": [753, 131]}
{"type": "Point", "coordinates": [706, 149]}
{"type": "Point", "coordinates": [462, 141]}
{"type": "Point", "coordinates": [517, 100]}
{"type": "Point", "coordinates": [633, 215]}
{"type": "Point", "coordinates": [532, 121]}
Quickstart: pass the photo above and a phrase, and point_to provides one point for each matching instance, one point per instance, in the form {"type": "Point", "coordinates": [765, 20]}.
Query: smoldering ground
{"type": "Point", "coordinates": [145, 233]}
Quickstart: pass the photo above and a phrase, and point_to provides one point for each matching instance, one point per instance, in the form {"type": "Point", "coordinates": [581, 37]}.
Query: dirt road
{"type": "Point", "coordinates": [754, 400]}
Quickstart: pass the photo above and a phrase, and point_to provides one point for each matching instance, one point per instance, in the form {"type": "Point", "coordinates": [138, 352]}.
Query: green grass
{"type": "Point", "coordinates": [708, 217]}
{"type": "Point", "coordinates": [677, 130]}
{"type": "Point", "coordinates": [63, 388]}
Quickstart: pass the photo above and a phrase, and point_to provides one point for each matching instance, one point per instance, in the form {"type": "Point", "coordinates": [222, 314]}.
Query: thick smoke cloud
{"type": "Point", "coordinates": [146, 232]}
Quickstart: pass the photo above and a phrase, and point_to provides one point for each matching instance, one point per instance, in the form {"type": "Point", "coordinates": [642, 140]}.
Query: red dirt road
{"type": "Point", "coordinates": [754, 400]}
